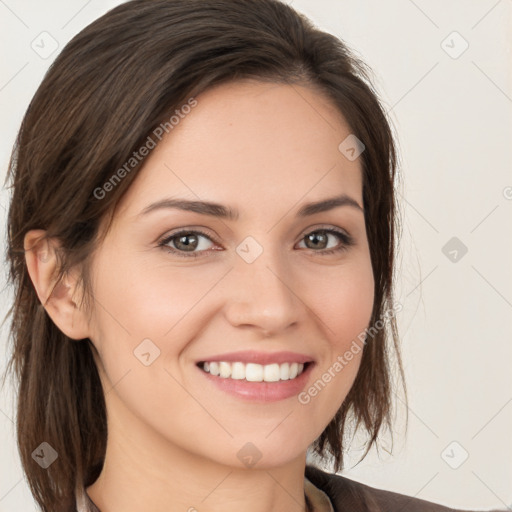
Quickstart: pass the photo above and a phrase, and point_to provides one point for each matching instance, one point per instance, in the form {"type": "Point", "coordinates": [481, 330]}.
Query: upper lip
{"type": "Point", "coordinates": [263, 358]}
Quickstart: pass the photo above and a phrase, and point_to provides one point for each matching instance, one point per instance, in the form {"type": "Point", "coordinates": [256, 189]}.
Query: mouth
{"type": "Point", "coordinates": [256, 383]}
{"type": "Point", "coordinates": [253, 372]}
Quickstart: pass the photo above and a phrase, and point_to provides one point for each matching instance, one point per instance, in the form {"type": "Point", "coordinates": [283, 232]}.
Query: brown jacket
{"type": "Point", "coordinates": [350, 496]}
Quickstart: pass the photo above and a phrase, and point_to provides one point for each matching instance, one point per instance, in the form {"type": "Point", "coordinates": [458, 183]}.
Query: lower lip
{"type": "Point", "coordinates": [261, 391]}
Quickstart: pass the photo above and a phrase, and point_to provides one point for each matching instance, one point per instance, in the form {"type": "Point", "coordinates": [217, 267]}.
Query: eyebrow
{"type": "Point", "coordinates": [228, 213]}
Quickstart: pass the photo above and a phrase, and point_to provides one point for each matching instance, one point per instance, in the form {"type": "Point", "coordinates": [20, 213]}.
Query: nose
{"type": "Point", "coordinates": [262, 295]}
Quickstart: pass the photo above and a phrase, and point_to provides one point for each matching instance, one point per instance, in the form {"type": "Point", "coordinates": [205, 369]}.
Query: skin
{"type": "Point", "coordinates": [265, 149]}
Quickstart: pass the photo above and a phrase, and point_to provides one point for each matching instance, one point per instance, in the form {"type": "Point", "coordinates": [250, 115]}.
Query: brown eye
{"type": "Point", "coordinates": [318, 240]}
{"type": "Point", "coordinates": [186, 242]}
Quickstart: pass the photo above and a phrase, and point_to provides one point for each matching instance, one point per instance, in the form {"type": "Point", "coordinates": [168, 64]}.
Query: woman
{"type": "Point", "coordinates": [201, 240]}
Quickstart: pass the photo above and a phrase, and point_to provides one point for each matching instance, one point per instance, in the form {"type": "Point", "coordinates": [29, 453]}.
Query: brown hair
{"type": "Point", "coordinates": [109, 88]}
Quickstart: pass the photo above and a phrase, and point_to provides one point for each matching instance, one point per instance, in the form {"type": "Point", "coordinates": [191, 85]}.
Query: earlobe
{"type": "Point", "coordinates": [56, 297]}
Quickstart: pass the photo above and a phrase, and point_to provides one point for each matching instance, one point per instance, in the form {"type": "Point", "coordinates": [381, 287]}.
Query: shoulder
{"type": "Point", "coordinates": [346, 494]}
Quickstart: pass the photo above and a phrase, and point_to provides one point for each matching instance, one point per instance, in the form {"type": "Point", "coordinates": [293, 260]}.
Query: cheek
{"type": "Point", "coordinates": [350, 306]}
{"type": "Point", "coordinates": [139, 299]}
{"type": "Point", "coordinates": [342, 298]}
{"type": "Point", "coordinates": [145, 316]}
{"type": "Point", "coordinates": [140, 325]}
{"type": "Point", "coordinates": [343, 304]}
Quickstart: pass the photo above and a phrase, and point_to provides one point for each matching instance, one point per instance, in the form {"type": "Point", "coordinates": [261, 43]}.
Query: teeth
{"type": "Point", "coordinates": [237, 371]}
{"type": "Point", "coordinates": [225, 369]}
{"type": "Point", "coordinates": [253, 372]}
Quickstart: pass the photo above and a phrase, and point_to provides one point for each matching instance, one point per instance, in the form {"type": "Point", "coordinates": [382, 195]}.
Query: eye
{"type": "Point", "coordinates": [185, 242]}
{"type": "Point", "coordinates": [188, 243]}
{"type": "Point", "coordinates": [320, 239]}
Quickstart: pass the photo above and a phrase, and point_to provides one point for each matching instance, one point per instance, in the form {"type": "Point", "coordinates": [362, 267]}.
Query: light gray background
{"type": "Point", "coordinates": [452, 113]}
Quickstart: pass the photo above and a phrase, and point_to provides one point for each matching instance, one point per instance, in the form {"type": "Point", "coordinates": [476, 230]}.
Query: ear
{"type": "Point", "coordinates": [56, 297]}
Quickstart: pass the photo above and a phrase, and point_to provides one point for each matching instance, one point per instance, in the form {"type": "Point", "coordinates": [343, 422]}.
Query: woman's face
{"type": "Point", "coordinates": [265, 281]}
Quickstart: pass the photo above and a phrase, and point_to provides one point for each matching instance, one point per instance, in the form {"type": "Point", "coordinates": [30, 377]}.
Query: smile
{"type": "Point", "coordinates": [253, 372]}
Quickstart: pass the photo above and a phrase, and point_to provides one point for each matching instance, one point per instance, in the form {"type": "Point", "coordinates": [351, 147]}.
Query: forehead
{"type": "Point", "coordinates": [247, 144]}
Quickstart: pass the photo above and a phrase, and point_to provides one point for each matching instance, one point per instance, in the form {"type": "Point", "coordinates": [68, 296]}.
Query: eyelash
{"type": "Point", "coordinates": [346, 242]}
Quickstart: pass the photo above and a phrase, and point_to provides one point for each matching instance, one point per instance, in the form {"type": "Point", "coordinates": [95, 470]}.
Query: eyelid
{"type": "Point", "coordinates": [163, 240]}
{"type": "Point", "coordinates": [326, 227]}
{"type": "Point", "coordinates": [204, 231]}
